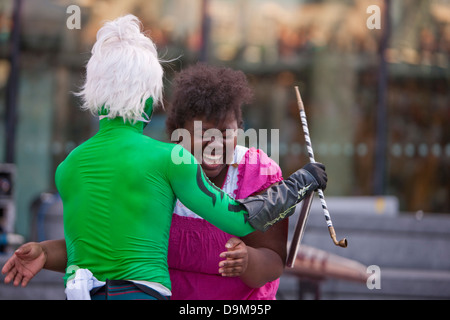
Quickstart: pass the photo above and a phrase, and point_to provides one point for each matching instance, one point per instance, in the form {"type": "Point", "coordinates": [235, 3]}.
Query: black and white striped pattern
{"type": "Point", "coordinates": [311, 158]}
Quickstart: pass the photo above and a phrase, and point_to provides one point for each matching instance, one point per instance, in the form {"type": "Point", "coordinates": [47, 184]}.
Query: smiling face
{"type": "Point", "coordinates": [214, 97]}
{"type": "Point", "coordinates": [216, 154]}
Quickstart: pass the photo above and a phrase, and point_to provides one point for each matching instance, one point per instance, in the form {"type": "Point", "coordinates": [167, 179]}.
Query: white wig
{"type": "Point", "coordinates": [123, 71]}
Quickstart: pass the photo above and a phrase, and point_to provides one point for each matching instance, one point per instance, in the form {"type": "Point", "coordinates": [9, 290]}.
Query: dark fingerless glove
{"type": "Point", "coordinates": [318, 171]}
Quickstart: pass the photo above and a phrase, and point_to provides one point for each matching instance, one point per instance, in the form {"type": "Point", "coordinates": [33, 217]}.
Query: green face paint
{"type": "Point", "coordinates": [148, 111]}
{"type": "Point", "coordinates": [145, 117]}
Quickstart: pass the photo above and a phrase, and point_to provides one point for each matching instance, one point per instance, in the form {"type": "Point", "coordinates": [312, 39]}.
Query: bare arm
{"type": "Point", "coordinates": [56, 254]}
{"type": "Point", "coordinates": [266, 255]}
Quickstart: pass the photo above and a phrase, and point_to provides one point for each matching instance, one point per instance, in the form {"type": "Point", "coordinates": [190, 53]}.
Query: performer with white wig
{"type": "Point", "coordinates": [119, 187]}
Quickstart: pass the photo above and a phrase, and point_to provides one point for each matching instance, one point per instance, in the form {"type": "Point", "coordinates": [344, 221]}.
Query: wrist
{"type": "Point", "coordinates": [44, 251]}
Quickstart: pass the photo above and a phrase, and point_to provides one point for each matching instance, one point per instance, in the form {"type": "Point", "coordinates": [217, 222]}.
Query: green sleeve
{"type": "Point", "coordinates": [196, 192]}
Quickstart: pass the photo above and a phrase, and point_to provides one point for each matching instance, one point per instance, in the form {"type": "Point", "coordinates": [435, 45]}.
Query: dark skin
{"type": "Point", "coordinates": [246, 255]}
{"type": "Point", "coordinates": [243, 258]}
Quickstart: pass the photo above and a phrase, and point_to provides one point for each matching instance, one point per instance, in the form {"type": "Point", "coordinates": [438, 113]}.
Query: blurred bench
{"type": "Point", "coordinates": [313, 266]}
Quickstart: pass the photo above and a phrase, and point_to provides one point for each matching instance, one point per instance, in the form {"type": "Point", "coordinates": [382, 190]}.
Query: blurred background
{"type": "Point", "coordinates": [377, 100]}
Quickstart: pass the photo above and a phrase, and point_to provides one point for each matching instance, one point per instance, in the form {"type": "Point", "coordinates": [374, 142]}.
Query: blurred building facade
{"type": "Point", "coordinates": [325, 47]}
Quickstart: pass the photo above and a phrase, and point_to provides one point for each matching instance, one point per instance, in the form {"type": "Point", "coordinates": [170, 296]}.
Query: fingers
{"type": "Point", "coordinates": [29, 251]}
{"type": "Point", "coordinates": [25, 281]}
{"type": "Point", "coordinates": [23, 250]}
{"type": "Point", "coordinates": [235, 262]}
{"type": "Point", "coordinates": [12, 273]}
{"type": "Point", "coordinates": [16, 277]}
{"type": "Point", "coordinates": [233, 243]}
{"type": "Point", "coordinates": [318, 171]}
{"type": "Point", "coordinates": [320, 165]}
{"type": "Point", "coordinates": [235, 247]}
{"type": "Point", "coordinates": [233, 266]}
{"type": "Point", "coordinates": [9, 275]}
{"type": "Point", "coordinates": [8, 265]}
{"type": "Point", "coordinates": [233, 269]}
{"type": "Point", "coordinates": [9, 269]}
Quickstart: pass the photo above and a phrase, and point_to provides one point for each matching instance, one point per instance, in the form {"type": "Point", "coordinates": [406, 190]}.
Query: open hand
{"type": "Point", "coordinates": [24, 264]}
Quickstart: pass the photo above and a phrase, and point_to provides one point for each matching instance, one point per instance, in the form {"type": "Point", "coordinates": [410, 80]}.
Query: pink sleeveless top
{"type": "Point", "coordinates": [195, 244]}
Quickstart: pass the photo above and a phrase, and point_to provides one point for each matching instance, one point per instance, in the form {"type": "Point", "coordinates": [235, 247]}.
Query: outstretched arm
{"type": "Point", "coordinates": [32, 257]}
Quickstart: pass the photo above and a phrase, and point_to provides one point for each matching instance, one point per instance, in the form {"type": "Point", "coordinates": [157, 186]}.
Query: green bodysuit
{"type": "Point", "coordinates": [119, 189]}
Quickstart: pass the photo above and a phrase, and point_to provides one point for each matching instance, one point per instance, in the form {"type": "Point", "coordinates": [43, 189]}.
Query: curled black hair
{"type": "Point", "coordinates": [210, 91]}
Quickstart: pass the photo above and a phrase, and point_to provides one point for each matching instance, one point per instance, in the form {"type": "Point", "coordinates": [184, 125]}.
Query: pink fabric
{"type": "Point", "coordinates": [256, 173]}
{"type": "Point", "coordinates": [195, 245]}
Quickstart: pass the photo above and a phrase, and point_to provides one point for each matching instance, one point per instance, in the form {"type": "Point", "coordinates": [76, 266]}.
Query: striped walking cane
{"type": "Point", "coordinates": [304, 212]}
